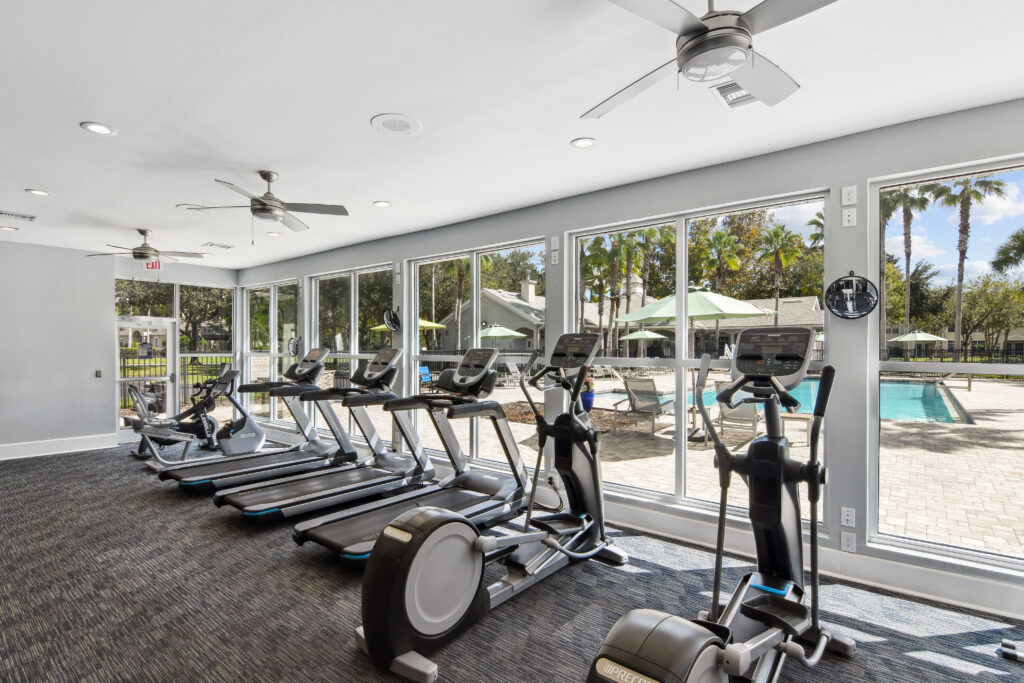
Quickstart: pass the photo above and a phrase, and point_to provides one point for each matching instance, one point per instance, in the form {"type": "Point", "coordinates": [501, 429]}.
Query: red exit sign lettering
{"type": "Point", "coordinates": [152, 265]}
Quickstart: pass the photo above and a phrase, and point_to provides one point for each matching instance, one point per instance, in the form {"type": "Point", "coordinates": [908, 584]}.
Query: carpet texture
{"type": "Point", "coordinates": [107, 574]}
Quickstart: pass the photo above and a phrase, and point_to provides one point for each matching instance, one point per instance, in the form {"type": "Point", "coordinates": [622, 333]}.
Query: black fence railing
{"type": "Point", "coordinates": [947, 356]}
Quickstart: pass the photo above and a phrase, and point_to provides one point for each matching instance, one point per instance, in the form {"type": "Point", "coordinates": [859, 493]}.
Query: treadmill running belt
{"type": "Point", "coordinates": [307, 487]}
{"type": "Point", "coordinates": [220, 469]}
{"type": "Point", "coordinates": [344, 535]}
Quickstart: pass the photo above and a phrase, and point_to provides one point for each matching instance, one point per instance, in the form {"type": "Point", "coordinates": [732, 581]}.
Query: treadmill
{"type": "Point", "coordinates": [376, 473]}
{"type": "Point", "coordinates": [310, 455]}
{"type": "Point", "coordinates": [486, 498]}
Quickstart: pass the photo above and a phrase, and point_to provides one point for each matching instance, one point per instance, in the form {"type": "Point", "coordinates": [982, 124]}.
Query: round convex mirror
{"type": "Point", "coordinates": [392, 321]}
{"type": "Point", "coordinates": [851, 296]}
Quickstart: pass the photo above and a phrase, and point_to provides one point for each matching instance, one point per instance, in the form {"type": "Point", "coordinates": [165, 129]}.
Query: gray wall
{"type": "Point", "coordinates": [58, 329]}
{"type": "Point", "coordinates": [57, 313]}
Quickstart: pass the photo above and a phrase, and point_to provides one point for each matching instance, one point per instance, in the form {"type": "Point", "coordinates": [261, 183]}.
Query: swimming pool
{"type": "Point", "coordinates": [908, 401]}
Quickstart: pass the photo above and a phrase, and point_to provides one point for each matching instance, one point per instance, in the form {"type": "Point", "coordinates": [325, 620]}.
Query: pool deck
{"type": "Point", "coordinates": [952, 483]}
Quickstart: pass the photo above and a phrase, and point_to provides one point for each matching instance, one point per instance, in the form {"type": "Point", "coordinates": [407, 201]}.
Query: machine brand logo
{"type": "Point", "coordinates": [617, 672]}
{"type": "Point", "coordinates": [397, 534]}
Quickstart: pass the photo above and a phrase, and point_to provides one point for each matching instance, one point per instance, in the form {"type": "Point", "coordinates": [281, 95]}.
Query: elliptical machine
{"type": "Point", "coordinates": [751, 638]}
{"type": "Point", "coordinates": [424, 580]}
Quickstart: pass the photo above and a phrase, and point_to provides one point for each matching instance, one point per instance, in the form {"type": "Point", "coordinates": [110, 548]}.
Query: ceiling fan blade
{"type": "Point", "coordinates": [664, 13]}
{"type": "Point", "coordinates": [125, 248]}
{"type": "Point", "coordinates": [110, 253]}
{"type": "Point", "coordinates": [326, 209]}
{"type": "Point", "coordinates": [632, 90]}
{"type": "Point", "coordinates": [764, 80]}
{"type": "Point", "coordinates": [163, 256]}
{"type": "Point", "coordinates": [182, 254]}
{"type": "Point", "coordinates": [200, 207]}
{"type": "Point", "coordinates": [772, 13]}
{"type": "Point", "coordinates": [236, 188]}
{"type": "Point", "coordinates": [293, 223]}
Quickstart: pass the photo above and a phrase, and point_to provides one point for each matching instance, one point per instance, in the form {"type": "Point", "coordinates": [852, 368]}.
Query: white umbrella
{"type": "Point", "coordinates": [499, 332]}
{"type": "Point", "coordinates": [643, 336]}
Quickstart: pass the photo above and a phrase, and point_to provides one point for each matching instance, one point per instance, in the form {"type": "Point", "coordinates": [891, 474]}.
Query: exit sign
{"type": "Point", "coordinates": [152, 265]}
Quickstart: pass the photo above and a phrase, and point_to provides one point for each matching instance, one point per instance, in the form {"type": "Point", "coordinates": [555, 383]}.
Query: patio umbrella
{"type": "Point", "coordinates": [499, 332]}
{"type": "Point", "coordinates": [915, 337]}
{"type": "Point", "coordinates": [424, 325]}
{"type": "Point", "coordinates": [643, 336]}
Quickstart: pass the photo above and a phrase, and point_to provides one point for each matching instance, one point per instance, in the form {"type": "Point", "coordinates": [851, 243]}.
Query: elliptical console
{"type": "Point", "coordinates": [765, 618]}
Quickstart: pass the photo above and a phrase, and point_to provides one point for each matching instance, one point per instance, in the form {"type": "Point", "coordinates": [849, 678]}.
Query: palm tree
{"type": "Point", "coordinates": [781, 247]}
{"type": "Point", "coordinates": [1011, 252]}
{"type": "Point", "coordinates": [907, 200]}
{"type": "Point", "coordinates": [652, 240]}
{"type": "Point", "coordinates": [616, 254]}
{"type": "Point", "coordinates": [724, 256]}
{"type": "Point", "coordinates": [818, 236]}
{"type": "Point", "coordinates": [962, 194]}
{"type": "Point", "coordinates": [595, 278]}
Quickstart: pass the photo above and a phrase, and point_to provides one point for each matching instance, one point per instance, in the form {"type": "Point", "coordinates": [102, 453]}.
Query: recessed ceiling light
{"type": "Point", "coordinates": [98, 128]}
{"type": "Point", "coordinates": [9, 228]}
{"type": "Point", "coordinates": [396, 123]}
{"type": "Point", "coordinates": [41, 193]}
{"type": "Point", "coordinates": [273, 234]}
{"type": "Point", "coordinates": [382, 204]}
{"type": "Point", "coordinates": [583, 142]}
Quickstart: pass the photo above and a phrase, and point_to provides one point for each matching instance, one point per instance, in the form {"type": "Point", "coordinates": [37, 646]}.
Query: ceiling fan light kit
{"type": "Point", "coordinates": [715, 54]}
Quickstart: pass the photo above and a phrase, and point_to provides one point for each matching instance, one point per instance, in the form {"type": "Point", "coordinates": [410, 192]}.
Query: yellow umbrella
{"type": "Point", "coordinates": [424, 325]}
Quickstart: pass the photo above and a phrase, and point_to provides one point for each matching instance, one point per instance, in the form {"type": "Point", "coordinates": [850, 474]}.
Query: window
{"type": "Point", "coordinates": [950, 383]}
{"type": "Point", "coordinates": [205, 329]}
{"type": "Point", "coordinates": [152, 299]}
{"type": "Point", "coordinates": [618, 275]}
{"type": "Point", "coordinates": [272, 323]}
{"type": "Point", "coordinates": [335, 322]}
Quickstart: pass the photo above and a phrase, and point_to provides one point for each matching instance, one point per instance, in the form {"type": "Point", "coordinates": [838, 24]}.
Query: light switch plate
{"type": "Point", "coordinates": [849, 195]}
{"type": "Point", "coordinates": [554, 243]}
{"type": "Point", "coordinates": [848, 542]}
{"type": "Point", "coordinates": [850, 217]}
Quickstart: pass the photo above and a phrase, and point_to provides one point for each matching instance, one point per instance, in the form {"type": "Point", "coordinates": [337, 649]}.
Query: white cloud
{"type": "Point", "coordinates": [993, 209]}
{"type": "Point", "coordinates": [971, 269]}
{"type": "Point", "coordinates": [921, 246]}
{"type": "Point", "coordinates": [795, 217]}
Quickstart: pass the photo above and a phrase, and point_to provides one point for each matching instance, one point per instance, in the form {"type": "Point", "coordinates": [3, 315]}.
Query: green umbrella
{"type": "Point", "coordinates": [498, 332]}
{"type": "Point", "coordinates": [424, 325]}
{"type": "Point", "coordinates": [701, 304]}
{"type": "Point", "coordinates": [644, 334]}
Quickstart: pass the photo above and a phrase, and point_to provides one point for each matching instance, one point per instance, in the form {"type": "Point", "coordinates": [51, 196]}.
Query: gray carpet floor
{"type": "Point", "coordinates": [107, 574]}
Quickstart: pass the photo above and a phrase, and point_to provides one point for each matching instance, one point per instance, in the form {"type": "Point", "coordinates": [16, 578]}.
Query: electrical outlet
{"type": "Point", "coordinates": [848, 517]}
{"type": "Point", "coordinates": [850, 217]}
{"type": "Point", "coordinates": [554, 257]}
{"type": "Point", "coordinates": [848, 542]}
{"type": "Point", "coordinates": [849, 195]}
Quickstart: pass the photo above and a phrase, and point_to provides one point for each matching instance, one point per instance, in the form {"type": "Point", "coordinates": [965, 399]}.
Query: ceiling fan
{"type": "Point", "coordinates": [270, 208]}
{"type": "Point", "coordinates": [716, 46]}
{"type": "Point", "coordinates": [145, 252]}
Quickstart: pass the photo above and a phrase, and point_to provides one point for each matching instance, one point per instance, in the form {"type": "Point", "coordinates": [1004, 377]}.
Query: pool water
{"type": "Point", "coordinates": [908, 401]}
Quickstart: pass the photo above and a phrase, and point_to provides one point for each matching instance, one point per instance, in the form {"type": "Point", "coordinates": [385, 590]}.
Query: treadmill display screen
{"type": "Point", "coordinates": [314, 355]}
{"type": "Point", "coordinates": [381, 362]}
{"type": "Point", "coordinates": [574, 350]}
{"type": "Point", "coordinates": [476, 362]}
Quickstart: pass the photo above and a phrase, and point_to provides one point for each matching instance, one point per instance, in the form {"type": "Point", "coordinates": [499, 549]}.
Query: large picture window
{"type": "Point", "coordinates": [951, 381]}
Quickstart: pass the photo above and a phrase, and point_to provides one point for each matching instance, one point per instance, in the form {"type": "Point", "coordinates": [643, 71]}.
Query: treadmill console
{"type": "Point", "coordinates": [573, 351]}
{"type": "Point", "coordinates": [780, 352]}
{"type": "Point", "coordinates": [379, 364]}
{"type": "Point", "coordinates": [311, 363]}
{"type": "Point", "coordinates": [473, 366]}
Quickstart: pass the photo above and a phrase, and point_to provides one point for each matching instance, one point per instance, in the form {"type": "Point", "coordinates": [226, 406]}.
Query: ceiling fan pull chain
{"type": "Point", "coordinates": [711, 6]}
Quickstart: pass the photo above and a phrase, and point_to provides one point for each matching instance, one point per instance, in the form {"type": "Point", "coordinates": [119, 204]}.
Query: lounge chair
{"type": "Point", "coordinates": [511, 377]}
{"type": "Point", "coordinates": [744, 417]}
{"type": "Point", "coordinates": [642, 402]}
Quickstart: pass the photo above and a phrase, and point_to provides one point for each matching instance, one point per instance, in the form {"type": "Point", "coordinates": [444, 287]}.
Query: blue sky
{"type": "Point", "coordinates": [934, 231]}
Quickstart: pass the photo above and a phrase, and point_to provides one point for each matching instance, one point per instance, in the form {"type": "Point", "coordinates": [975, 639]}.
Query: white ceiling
{"type": "Point", "coordinates": [202, 89]}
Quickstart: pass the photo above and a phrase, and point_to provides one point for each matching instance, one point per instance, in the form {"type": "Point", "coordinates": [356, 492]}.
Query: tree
{"type": "Point", "coordinates": [961, 194]}
{"type": "Point", "coordinates": [780, 247]}
{"type": "Point", "coordinates": [1010, 253]}
{"type": "Point", "coordinates": [136, 297]}
{"type": "Point", "coordinates": [926, 300]}
{"type": "Point", "coordinates": [723, 256]}
{"type": "Point", "coordinates": [906, 200]}
{"type": "Point", "coordinates": [655, 241]}
{"type": "Point", "coordinates": [201, 306]}
{"type": "Point", "coordinates": [595, 280]}
{"type": "Point", "coordinates": [818, 236]}
{"type": "Point", "coordinates": [992, 305]}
